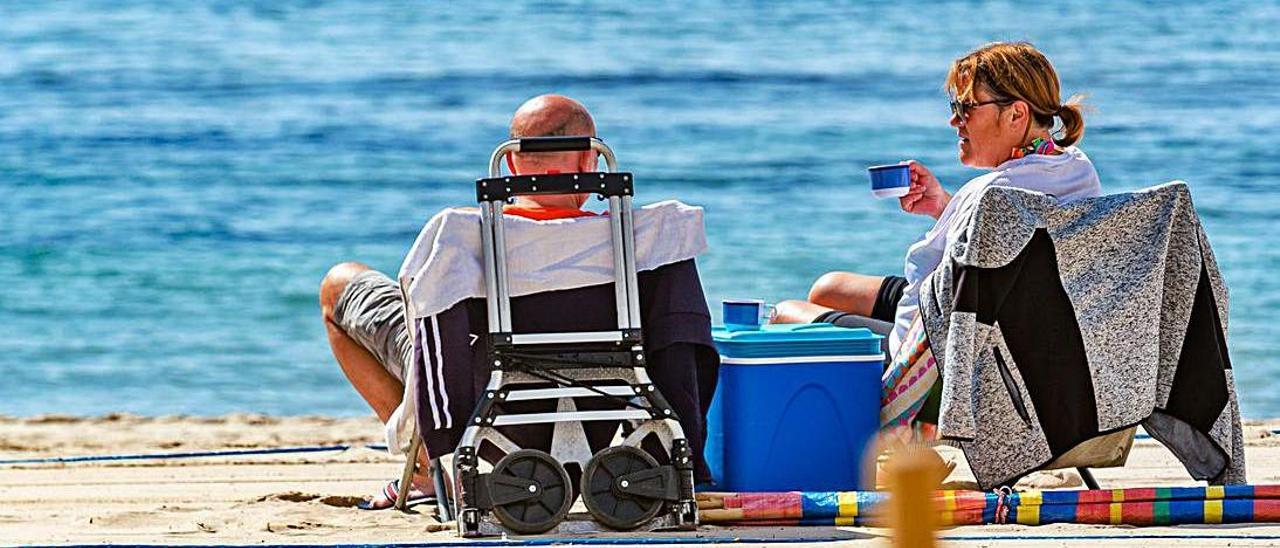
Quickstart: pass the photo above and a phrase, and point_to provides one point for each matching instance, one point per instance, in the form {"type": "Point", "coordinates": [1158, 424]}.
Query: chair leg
{"type": "Point", "coordinates": [1087, 476]}
{"type": "Point", "coordinates": [406, 477]}
{"type": "Point", "coordinates": [444, 495]}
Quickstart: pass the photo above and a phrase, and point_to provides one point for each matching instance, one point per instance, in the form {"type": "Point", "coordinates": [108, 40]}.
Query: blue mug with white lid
{"type": "Point", "coordinates": [890, 181]}
{"type": "Point", "coordinates": [743, 314]}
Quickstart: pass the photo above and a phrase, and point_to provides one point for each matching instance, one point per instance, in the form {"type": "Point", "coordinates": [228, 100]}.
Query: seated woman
{"type": "Point", "coordinates": [1005, 100]}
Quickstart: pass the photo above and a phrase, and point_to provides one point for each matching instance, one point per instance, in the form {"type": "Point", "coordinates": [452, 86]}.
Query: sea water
{"type": "Point", "coordinates": [176, 178]}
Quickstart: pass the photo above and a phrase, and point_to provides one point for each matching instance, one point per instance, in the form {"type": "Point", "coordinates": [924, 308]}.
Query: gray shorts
{"type": "Point", "coordinates": [371, 311]}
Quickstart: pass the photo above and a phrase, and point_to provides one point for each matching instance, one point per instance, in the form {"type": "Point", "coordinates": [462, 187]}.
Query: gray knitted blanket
{"type": "Point", "coordinates": [1132, 266]}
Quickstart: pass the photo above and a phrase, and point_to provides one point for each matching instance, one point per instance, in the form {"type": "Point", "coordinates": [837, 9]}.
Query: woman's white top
{"type": "Point", "coordinates": [1068, 177]}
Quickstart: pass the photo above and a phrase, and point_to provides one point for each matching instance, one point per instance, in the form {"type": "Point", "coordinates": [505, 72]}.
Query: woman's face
{"type": "Point", "coordinates": [988, 131]}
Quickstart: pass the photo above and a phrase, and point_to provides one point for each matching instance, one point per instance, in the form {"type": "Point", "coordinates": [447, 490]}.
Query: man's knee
{"type": "Point", "coordinates": [335, 282]}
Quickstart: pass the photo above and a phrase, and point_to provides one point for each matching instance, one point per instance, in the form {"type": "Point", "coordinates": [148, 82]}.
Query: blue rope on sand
{"type": "Point", "coordinates": [1146, 436]}
{"type": "Point", "coordinates": [187, 454]}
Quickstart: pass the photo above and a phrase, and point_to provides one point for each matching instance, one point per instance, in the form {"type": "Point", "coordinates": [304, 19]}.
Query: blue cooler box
{"type": "Point", "coordinates": [796, 408]}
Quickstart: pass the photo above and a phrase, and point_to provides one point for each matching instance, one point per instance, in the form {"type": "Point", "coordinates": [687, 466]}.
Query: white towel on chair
{"type": "Point", "coordinates": [445, 267]}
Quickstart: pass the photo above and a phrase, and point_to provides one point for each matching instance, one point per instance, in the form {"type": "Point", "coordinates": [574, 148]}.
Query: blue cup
{"type": "Point", "coordinates": [742, 314]}
{"type": "Point", "coordinates": [891, 181]}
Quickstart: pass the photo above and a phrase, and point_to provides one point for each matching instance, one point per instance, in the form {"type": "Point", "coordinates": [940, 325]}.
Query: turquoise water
{"type": "Point", "coordinates": [175, 180]}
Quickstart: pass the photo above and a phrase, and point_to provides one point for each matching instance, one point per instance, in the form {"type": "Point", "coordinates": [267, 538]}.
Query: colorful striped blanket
{"type": "Point", "coordinates": [905, 386]}
{"type": "Point", "coordinates": [1135, 506]}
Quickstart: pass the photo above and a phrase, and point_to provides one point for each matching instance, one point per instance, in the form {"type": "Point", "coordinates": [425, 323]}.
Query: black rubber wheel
{"type": "Point", "coordinates": [543, 512]}
{"type": "Point", "coordinates": [607, 504]}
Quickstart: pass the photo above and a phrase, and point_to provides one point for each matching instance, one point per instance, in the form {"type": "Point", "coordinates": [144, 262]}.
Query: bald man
{"type": "Point", "coordinates": [363, 308]}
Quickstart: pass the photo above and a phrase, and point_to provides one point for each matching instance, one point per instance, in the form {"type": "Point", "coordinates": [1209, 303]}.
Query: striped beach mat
{"type": "Point", "coordinates": [1134, 506]}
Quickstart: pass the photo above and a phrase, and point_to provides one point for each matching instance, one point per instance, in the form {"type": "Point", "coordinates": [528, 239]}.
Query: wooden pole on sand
{"type": "Point", "coordinates": [914, 472]}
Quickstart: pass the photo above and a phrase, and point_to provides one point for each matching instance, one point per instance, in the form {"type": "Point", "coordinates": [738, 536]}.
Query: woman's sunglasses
{"type": "Point", "coordinates": [961, 108]}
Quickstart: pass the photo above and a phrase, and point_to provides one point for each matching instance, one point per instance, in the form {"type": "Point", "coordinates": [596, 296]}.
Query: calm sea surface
{"type": "Point", "coordinates": [176, 179]}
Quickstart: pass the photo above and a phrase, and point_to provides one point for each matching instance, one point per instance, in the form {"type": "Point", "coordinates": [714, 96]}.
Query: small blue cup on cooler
{"type": "Point", "coordinates": [891, 181]}
{"type": "Point", "coordinates": [743, 314]}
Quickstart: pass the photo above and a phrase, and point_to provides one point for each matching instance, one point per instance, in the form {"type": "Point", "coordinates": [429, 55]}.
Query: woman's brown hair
{"type": "Point", "coordinates": [1017, 71]}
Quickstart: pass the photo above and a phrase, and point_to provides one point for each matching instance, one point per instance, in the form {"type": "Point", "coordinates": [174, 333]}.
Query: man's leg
{"type": "Point", "coordinates": [375, 384]}
{"type": "Point", "coordinates": [371, 379]}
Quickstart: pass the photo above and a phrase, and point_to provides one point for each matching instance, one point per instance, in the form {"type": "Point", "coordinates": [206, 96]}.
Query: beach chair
{"type": "Point", "coordinates": [1107, 451]}
{"type": "Point", "coordinates": [584, 366]}
{"type": "Point", "coordinates": [1060, 346]}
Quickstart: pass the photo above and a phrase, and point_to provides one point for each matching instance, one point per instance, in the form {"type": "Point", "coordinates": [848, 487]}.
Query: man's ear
{"type": "Point", "coordinates": [587, 161]}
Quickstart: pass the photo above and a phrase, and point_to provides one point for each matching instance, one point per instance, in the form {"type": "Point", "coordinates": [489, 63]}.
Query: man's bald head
{"type": "Point", "coordinates": [550, 116]}
{"type": "Point", "coordinates": [553, 116]}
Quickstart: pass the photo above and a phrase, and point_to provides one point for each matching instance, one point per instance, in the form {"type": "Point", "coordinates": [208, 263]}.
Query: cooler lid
{"type": "Point", "coordinates": [808, 339]}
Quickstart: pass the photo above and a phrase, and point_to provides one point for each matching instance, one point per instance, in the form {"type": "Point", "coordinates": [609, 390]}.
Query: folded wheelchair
{"type": "Point", "coordinates": [501, 486]}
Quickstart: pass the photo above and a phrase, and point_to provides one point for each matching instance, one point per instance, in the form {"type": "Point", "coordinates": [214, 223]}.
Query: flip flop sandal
{"type": "Point", "coordinates": [387, 496]}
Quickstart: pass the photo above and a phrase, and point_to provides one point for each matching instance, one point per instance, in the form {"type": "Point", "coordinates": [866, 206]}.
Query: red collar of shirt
{"type": "Point", "coordinates": [546, 213]}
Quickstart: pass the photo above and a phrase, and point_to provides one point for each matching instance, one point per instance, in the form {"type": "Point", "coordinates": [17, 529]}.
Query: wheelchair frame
{"type": "Point", "coordinates": [626, 479]}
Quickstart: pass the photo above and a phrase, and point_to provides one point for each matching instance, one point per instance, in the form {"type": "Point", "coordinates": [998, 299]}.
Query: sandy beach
{"type": "Point", "coordinates": [310, 497]}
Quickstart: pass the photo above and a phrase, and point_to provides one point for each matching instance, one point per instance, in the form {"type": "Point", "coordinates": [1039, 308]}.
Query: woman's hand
{"type": "Point", "coordinates": [926, 195]}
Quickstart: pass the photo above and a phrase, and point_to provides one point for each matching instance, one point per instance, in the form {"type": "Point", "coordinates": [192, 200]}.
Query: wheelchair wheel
{"type": "Point", "coordinates": [543, 512]}
{"type": "Point", "coordinates": [601, 491]}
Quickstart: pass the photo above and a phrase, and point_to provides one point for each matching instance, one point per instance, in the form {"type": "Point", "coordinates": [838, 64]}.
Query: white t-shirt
{"type": "Point", "coordinates": [1068, 177]}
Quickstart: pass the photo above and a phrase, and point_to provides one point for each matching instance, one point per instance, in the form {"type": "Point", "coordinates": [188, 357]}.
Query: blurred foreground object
{"type": "Point", "coordinates": [914, 473]}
